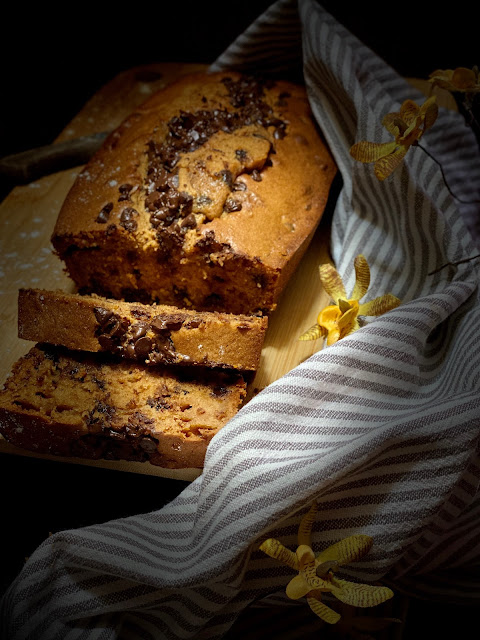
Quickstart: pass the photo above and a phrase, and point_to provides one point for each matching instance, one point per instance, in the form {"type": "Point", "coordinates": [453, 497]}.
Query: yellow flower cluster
{"type": "Point", "coordinates": [460, 79]}
{"type": "Point", "coordinates": [407, 127]}
{"type": "Point", "coordinates": [316, 571]}
{"type": "Point", "coordinates": [341, 318]}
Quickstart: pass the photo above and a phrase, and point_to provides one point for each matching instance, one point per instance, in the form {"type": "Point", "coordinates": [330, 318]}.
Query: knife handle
{"type": "Point", "coordinates": [26, 166]}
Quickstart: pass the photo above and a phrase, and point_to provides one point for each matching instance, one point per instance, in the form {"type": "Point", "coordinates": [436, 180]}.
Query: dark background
{"type": "Point", "coordinates": [52, 63]}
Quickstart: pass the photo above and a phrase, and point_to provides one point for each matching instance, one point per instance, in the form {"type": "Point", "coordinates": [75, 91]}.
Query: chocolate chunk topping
{"type": "Point", "coordinates": [186, 133]}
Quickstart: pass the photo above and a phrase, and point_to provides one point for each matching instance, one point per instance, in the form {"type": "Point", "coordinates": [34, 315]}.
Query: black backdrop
{"type": "Point", "coordinates": [54, 60]}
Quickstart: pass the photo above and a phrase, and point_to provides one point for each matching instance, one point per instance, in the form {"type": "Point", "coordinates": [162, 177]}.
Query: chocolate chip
{"type": "Point", "coordinates": [227, 177]}
{"type": "Point", "coordinates": [129, 351]}
{"type": "Point", "coordinates": [171, 323]}
{"type": "Point", "coordinates": [203, 200]}
{"type": "Point", "coordinates": [127, 219]}
{"type": "Point", "coordinates": [239, 185]}
{"type": "Point", "coordinates": [102, 315]}
{"type": "Point", "coordinates": [101, 384]}
{"type": "Point", "coordinates": [114, 327]}
{"type": "Point", "coordinates": [186, 203]}
{"type": "Point", "coordinates": [193, 323]}
{"type": "Point", "coordinates": [153, 201]}
{"type": "Point", "coordinates": [256, 175]}
{"type": "Point", "coordinates": [158, 404]}
{"type": "Point", "coordinates": [139, 313]}
{"type": "Point", "coordinates": [138, 330]}
{"type": "Point", "coordinates": [172, 201]}
{"type": "Point", "coordinates": [105, 213]}
{"type": "Point", "coordinates": [173, 181]}
{"type": "Point", "coordinates": [162, 215]}
{"type": "Point", "coordinates": [143, 347]}
{"type": "Point", "coordinates": [189, 222]}
{"type": "Point", "coordinates": [139, 424]}
{"type": "Point", "coordinates": [241, 154]}
{"type": "Point", "coordinates": [155, 357]}
{"type": "Point", "coordinates": [219, 391]}
{"type": "Point", "coordinates": [107, 343]}
{"type": "Point", "coordinates": [125, 191]}
{"type": "Point", "coordinates": [232, 205]}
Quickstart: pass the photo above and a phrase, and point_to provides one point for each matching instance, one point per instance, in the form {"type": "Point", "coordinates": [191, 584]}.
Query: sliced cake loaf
{"type": "Point", "coordinates": [95, 406]}
{"type": "Point", "coordinates": [154, 335]}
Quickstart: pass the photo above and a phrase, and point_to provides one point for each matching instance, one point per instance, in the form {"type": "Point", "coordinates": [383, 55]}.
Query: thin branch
{"type": "Point", "coordinates": [445, 179]}
{"type": "Point", "coordinates": [453, 264]}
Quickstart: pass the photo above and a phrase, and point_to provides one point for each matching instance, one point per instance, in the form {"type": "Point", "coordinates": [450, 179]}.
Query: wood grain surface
{"type": "Point", "coordinates": [27, 218]}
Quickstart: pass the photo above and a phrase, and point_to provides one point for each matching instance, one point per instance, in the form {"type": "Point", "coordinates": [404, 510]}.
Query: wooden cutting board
{"type": "Point", "coordinates": [27, 218]}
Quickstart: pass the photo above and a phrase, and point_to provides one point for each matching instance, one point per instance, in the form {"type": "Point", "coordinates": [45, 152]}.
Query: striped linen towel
{"type": "Point", "coordinates": [381, 428]}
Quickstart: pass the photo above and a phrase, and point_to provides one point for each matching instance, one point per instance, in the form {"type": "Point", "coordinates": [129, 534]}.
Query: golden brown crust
{"type": "Point", "coordinates": [70, 404]}
{"type": "Point", "coordinates": [215, 216]}
{"type": "Point", "coordinates": [152, 334]}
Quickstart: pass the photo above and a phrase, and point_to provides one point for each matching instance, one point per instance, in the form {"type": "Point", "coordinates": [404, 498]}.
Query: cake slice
{"type": "Point", "coordinates": [156, 334]}
{"type": "Point", "coordinates": [94, 406]}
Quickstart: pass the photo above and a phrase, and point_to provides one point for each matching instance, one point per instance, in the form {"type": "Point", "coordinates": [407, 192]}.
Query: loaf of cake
{"type": "Point", "coordinates": [153, 335]}
{"type": "Point", "coordinates": [206, 197]}
{"type": "Point", "coordinates": [94, 406]}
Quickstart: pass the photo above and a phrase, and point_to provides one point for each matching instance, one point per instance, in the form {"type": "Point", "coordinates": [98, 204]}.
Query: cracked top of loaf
{"type": "Point", "coordinates": [206, 196]}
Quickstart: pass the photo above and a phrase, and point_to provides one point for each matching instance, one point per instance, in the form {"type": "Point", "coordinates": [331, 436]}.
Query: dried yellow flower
{"type": "Point", "coordinates": [460, 79]}
{"type": "Point", "coordinates": [315, 572]}
{"type": "Point", "coordinates": [407, 126]}
{"type": "Point", "coordinates": [340, 319]}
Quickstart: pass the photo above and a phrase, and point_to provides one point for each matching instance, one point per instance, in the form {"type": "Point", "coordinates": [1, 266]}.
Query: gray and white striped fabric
{"type": "Point", "coordinates": [382, 428]}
